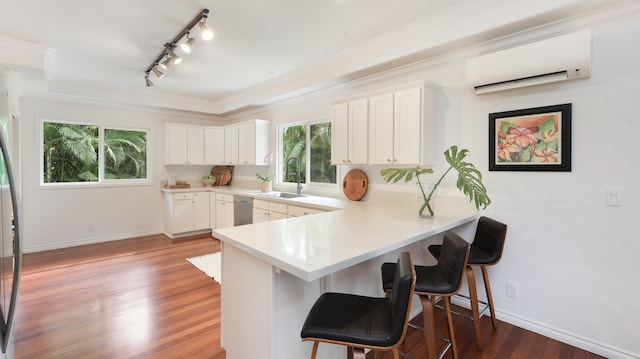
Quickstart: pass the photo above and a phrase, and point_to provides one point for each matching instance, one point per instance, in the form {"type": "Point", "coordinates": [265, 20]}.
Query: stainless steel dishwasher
{"type": "Point", "coordinates": [242, 210]}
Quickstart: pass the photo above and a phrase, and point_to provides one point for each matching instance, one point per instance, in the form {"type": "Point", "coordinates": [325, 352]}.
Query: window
{"type": "Point", "coordinates": [310, 145]}
{"type": "Point", "coordinates": [82, 153]}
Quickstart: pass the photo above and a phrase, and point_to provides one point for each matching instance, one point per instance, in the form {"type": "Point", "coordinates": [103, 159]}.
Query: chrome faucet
{"type": "Point", "coordinates": [299, 186]}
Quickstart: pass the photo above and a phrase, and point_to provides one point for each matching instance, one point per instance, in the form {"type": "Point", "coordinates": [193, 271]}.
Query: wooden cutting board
{"type": "Point", "coordinates": [355, 184]}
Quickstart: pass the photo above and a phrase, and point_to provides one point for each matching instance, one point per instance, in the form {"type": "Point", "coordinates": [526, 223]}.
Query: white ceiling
{"type": "Point", "coordinates": [257, 42]}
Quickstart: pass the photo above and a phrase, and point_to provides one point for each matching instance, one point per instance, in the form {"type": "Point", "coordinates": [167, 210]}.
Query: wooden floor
{"type": "Point", "coordinates": [140, 298]}
{"type": "Point", "coordinates": [125, 299]}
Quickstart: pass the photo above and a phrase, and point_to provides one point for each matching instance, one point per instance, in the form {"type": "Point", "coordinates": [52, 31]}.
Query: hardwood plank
{"type": "Point", "coordinates": [506, 341]}
{"type": "Point", "coordinates": [125, 299]}
{"type": "Point", "coordinates": [140, 298]}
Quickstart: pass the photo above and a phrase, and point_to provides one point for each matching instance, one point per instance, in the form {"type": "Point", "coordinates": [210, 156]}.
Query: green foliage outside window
{"type": "Point", "coordinates": [322, 171]}
{"type": "Point", "coordinates": [317, 151]}
{"type": "Point", "coordinates": [71, 153]}
{"type": "Point", "coordinates": [294, 144]}
{"type": "Point", "coordinates": [125, 154]}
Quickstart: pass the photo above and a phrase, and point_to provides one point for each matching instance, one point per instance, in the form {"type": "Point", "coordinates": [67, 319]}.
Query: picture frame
{"type": "Point", "coordinates": [532, 139]}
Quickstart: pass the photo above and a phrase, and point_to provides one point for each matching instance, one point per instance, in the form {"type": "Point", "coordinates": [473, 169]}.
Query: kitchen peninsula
{"type": "Point", "coordinates": [273, 272]}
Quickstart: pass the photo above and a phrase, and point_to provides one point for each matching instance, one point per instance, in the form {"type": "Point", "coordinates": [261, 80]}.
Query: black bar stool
{"type": "Point", "coordinates": [361, 322]}
{"type": "Point", "coordinates": [486, 250]}
{"type": "Point", "coordinates": [442, 280]}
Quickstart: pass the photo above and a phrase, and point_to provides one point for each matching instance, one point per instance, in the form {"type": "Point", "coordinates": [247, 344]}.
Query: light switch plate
{"type": "Point", "coordinates": [614, 197]}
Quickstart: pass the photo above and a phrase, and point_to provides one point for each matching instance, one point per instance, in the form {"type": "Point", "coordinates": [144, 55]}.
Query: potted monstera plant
{"type": "Point", "coordinates": [469, 180]}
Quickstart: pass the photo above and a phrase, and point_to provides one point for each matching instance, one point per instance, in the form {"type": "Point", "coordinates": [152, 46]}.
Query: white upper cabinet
{"type": "Point", "coordinates": [349, 134]}
{"type": "Point", "coordinates": [184, 145]}
{"type": "Point", "coordinates": [247, 143]}
{"type": "Point", "coordinates": [231, 145]}
{"type": "Point", "coordinates": [402, 127]}
{"type": "Point", "coordinates": [407, 126]}
{"type": "Point", "coordinates": [213, 145]}
{"type": "Point", "coordinates": [381, 129]}
{"type": "Point", "coordinates": [339, 133]}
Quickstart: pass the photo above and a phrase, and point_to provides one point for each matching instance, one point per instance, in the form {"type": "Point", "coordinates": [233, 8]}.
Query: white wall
{"type": "Point", "coordinates": [570, 254]}
{"type": "Point", "coordinates": [60, 217]}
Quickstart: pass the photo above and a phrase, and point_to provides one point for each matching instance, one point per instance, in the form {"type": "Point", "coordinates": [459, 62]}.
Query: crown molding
{"type": "Point", "coordinates": [465, 24]}
{"type": "Point", "coordinates": [60, 97]}
{"type": "Point", "coordinates": [24, 55]}
{"type": "Point", "coordinates": [468, 27]}
{"type": "Point", "coordinates": [127, 95]}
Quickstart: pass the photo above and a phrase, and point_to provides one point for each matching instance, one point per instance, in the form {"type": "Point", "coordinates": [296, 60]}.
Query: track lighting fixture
{"type": "Point", "coordinates": [186, 46]}
{"type": "Point", "coordinates": [159, 74]}
{"type": "Point", "coordinates": [174, 57]}
{"type": "Point", "coordinates": [147, 79]}
{"type": "Point", "coordinates": [205, 32]}
{"type": "Point", "coordinates": [168, 55]}
{"type": "Point", "coordinates": [166, 63]}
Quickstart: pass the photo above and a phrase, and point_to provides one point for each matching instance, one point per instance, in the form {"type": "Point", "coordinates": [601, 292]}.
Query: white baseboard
{"type": "Point", "coordinates": [94, 240]}
{"type": "Point", "coordinates": [554, 333]}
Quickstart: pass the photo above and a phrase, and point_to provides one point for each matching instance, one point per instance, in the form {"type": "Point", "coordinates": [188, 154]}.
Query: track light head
{"type": "Point", "coordinates": [205, 32]}
{"type": "Point", "coordinates": [147, 80]}
{"type": "Point", "coordinates": [187, 45]}
{"type": "Point", "coordinates": [174, 57]}
{"type": "Point", "coordinates": [166, 63]}
{"type": "Point", "coordinates": [159, 74]}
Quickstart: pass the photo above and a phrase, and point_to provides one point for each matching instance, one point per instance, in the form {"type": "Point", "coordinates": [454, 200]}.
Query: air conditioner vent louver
{"type": "Point", "coordinates": [561, 58]}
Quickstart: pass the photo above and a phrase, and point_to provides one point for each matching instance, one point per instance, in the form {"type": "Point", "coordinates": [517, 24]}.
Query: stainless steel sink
{"type": "Point", "coordinates": [284, 194]}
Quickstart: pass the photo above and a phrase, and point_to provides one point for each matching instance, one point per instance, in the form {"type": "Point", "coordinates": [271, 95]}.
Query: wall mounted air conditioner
{"type": "Point", "coordinates": [561, 58]}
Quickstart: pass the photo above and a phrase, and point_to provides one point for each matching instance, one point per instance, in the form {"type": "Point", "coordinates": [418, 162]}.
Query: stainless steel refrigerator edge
{"type": "Point", "coordinates": [10, 231]}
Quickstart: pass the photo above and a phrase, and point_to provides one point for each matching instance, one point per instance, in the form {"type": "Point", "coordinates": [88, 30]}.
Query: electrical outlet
{"type": "Point", "coordinates": [91, 227]}
{"type": "Point", "coordinates": [512, 289]}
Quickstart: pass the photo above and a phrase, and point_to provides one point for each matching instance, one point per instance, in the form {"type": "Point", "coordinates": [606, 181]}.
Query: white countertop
{"type": "Point", "coordinates": [311, 201]}
{"type": "Point", "coordinates": [311, 247]}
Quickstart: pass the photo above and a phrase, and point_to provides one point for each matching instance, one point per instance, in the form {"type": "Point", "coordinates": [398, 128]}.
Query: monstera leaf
{"type": "Point", "coordinates": [469, 179]}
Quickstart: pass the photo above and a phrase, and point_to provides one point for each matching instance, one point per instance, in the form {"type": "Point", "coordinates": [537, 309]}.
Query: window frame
{"type": "Point", "coordinates": [314, 186]}
{"type": "Point", "coordinates": [101, 182]}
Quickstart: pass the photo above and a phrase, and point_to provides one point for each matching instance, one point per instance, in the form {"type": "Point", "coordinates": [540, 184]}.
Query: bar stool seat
{"type": "Point", "coordinates": [486, 250]}
{"type": "Point", "coordinates": [361, 322]}
{"type": "Point", "coordinates": [442, 280]}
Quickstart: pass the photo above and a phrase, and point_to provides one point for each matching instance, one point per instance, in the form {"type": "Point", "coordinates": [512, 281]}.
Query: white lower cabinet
{"type": "Point", "coordinates": [186, 212]}
{"type": "Point", "coordinates": [264, 211]}
{"type": "Point", "coordinates": [212, 210]}
{"type": "Point", "coordinates": [224, 210]}
{"type": "Point", "coordinates": [195, 211]}
{"type": "Point", "coordinates": [296, 211]}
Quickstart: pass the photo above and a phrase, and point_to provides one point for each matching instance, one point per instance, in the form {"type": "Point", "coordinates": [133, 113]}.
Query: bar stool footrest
{"type": "Point", "coordinates": [447, 340]}
{"type": "Point", "coordinates": [481, 310]}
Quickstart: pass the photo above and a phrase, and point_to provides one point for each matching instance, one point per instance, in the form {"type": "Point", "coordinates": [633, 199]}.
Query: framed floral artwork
{"type": "Point", "coordinates": [533, 139]}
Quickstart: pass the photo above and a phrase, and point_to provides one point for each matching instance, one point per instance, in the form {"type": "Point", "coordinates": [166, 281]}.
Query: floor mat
{"type": "Point", "coordinates": [209, 264]}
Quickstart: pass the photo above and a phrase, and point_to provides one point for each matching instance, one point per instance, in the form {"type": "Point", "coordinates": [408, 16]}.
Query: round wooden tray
{"type": "Point", "coordinates": [223, 175]}
{"type": "Point", "coordinates": [355, 184]}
